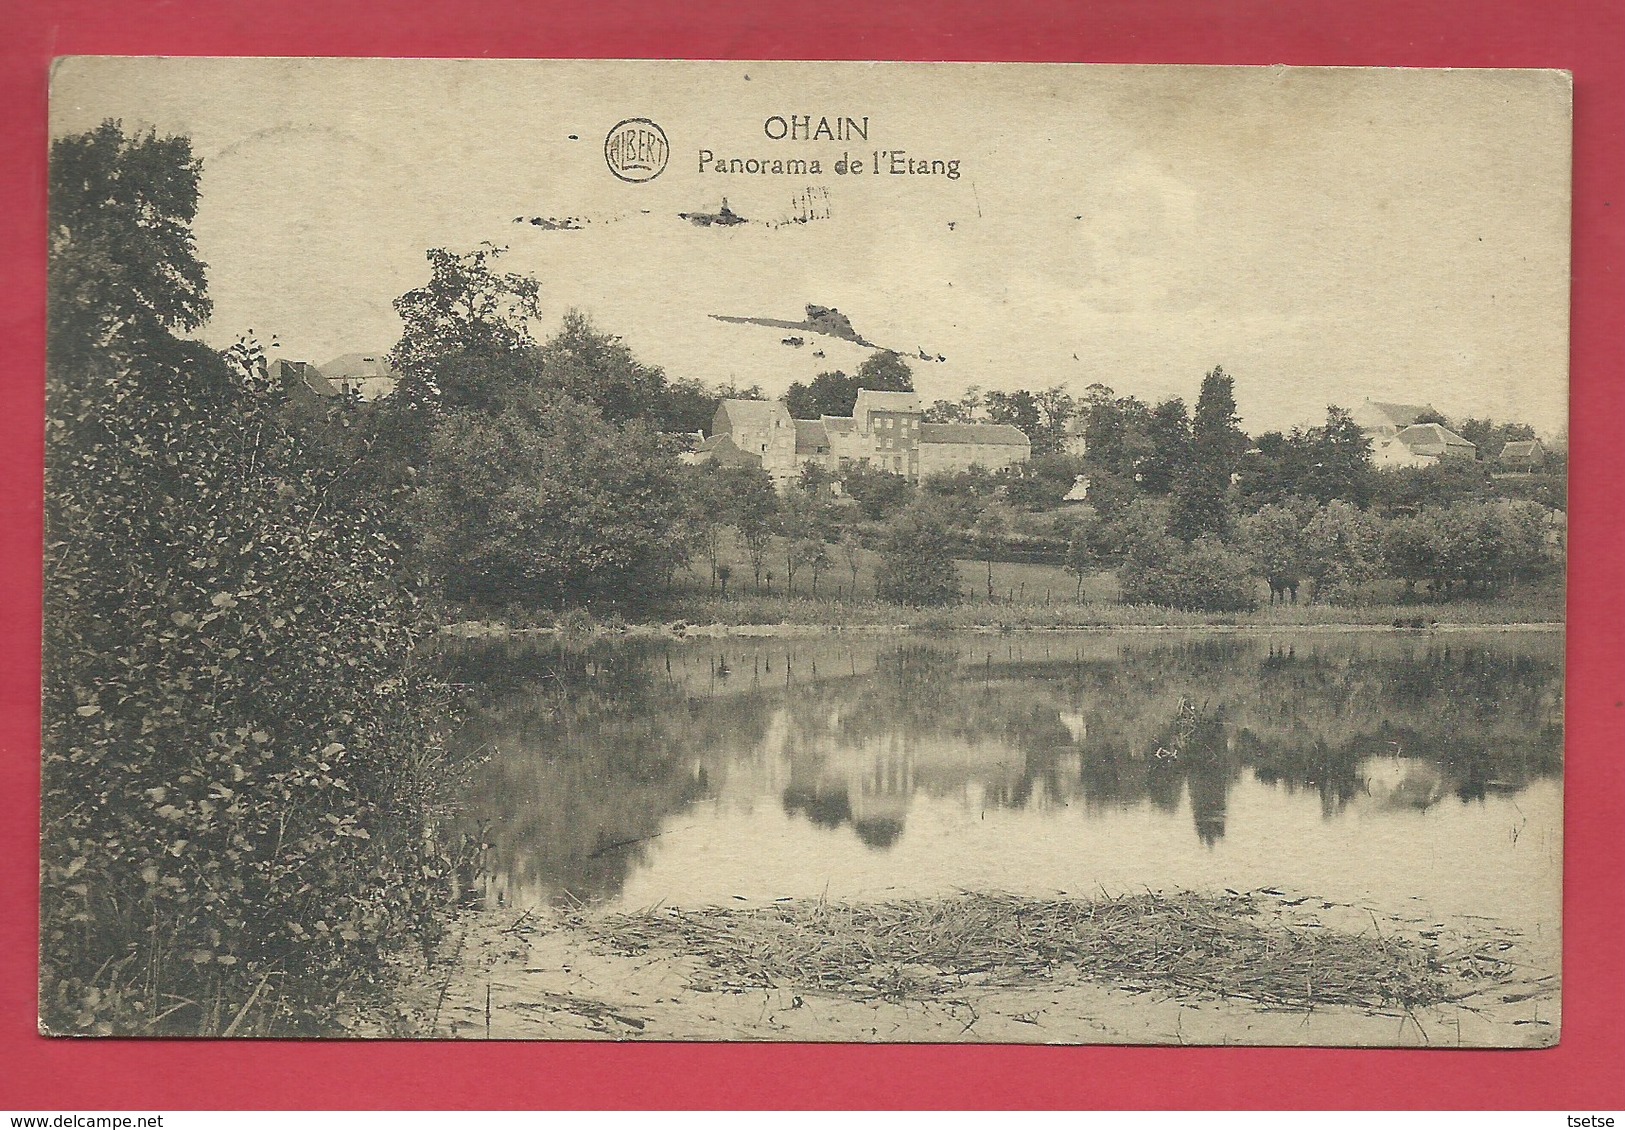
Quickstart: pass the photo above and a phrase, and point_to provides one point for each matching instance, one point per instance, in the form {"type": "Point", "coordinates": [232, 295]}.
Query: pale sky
{"type": "Point", "coordinates": [1326, 234]}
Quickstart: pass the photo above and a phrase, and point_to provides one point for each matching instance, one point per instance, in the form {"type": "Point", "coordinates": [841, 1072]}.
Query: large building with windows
{"type": "Point", "coordinates": [886, 432]}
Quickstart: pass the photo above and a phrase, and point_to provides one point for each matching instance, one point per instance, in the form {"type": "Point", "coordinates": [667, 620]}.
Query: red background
{"type": "Point", "coordinates": [1586, 1070]}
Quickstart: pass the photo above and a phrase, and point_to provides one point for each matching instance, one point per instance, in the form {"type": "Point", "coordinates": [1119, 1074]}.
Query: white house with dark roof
{"type": "Point", "coordinates": [1420, 445]}
{"type": "Point", "coordinates": [1382, 418]}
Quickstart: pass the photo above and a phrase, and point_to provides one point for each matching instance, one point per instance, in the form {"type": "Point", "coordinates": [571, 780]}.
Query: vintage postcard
{"type": "Point", "coordinates": [805, 551]}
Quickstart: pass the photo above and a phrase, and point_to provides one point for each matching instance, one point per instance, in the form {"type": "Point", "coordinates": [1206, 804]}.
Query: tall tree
{"type": "Point", "coordinates": [467, 308]}
{"type": "Point", "coordinates": [1337, 461]}
{"type": "Point", "coordinates": [1169, 433]}
{"type": "Point", "coordinates": [917, 561]}
{"type": "Point", "coordinates": [885, 371]}
{"type": "Point", "coordinates": [596, 367]}
{"type": "Point", "coordinates": [1201, 500]}
{"type": "Point", "coordinates": [123, 261]}
{"type": "Point", "coordinates": [829, 394]}
{"type": "Point", "coordinates": [1018, 408]}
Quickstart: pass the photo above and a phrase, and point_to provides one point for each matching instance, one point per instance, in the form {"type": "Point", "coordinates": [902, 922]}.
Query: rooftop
{"type": "Point", "coordinates": [973, 433]}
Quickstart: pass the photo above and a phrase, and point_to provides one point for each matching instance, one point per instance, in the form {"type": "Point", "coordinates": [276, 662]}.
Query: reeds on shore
{"type": "Point", "coordinates": [1223, 945]}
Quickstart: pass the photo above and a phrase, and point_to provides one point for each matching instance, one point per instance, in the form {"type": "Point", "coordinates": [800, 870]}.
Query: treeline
{"type": "Point", "coordinates": [547, 474]}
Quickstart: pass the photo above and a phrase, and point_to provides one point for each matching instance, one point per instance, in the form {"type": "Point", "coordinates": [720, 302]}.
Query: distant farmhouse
{"type": "Point", "coordinates": [1397, 440]}
{"type": "Point", "coordinates": [1522, 455]}
{"type": "Point", "coordinates": [359, 376]}
{"type": "Point", "coordinates": [886, 432]}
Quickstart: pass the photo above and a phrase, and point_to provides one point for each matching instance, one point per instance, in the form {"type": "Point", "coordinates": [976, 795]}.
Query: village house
{"type": "Point", "coordinates": [1524, 456]}
{"type": "Point", "coordinates": [886, 432]}
{"type": "Point", "coordinates": [1421, 445]}
{"type": "Point", "coordinates": [356, 376]}
{"type": "Point", "coordinates": [1398, 440]}
{"type": "Point", "coordinates": [1380, 419]}
{"type": "Point", "coordinates": [366, 376]}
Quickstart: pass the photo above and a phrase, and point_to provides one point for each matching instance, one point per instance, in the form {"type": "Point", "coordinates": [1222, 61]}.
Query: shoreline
{"type": "Point", "coordinates": [552, 974]}
{"type": "Point", "coordinates": [480, 630]}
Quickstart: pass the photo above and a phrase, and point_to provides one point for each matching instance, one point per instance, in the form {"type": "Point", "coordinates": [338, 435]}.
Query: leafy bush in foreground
{"type": "Point", "coordinates": [238, 748]}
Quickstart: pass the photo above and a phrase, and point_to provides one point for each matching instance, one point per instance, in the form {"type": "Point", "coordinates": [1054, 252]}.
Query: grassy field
{"type": "Point", "coordinates": [1025, 596]}
{"type": "Point", "coordinates": [1047, 596]}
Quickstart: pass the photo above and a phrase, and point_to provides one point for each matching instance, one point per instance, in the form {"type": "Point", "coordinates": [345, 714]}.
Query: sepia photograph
{"type": "Point", "coordinates": [805, 551]}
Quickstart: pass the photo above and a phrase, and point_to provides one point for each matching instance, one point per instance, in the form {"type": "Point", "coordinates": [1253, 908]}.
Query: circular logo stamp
{"type": "Point", "coordinates": [636, 150]}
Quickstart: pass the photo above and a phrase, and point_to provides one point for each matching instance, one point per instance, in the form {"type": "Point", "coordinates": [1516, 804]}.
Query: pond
{"type": "Point", "coordinates": [1419, 775]}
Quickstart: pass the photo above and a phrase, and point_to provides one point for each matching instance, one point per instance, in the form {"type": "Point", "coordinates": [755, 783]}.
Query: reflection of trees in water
{"type": "Point", "coordinates": [1184, 721]}
{"type": "Point", "coordinates": [589, 753]}
{"type": "Point", "coordinates": [595, 748]}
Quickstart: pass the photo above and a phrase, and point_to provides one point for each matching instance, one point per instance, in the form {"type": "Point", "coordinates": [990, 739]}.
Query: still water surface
{"type": "Point", "coordinates": [1418, 775]}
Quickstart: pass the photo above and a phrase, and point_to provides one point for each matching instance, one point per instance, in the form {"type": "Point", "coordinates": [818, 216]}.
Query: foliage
{"type": "Point", "coordinates": [885, 371]}
{"type": "Point", "coordinates": [1117, 437]}
{"type": "Point", "coordinates": [593, 367]}
{"type": "Point", "coordinates": [1204, 575]}
{"type": "Point", "coordinates": [1472, 547]}
{"type": "Point", "coordinates": [1087, 549]}
{"type": "Point", "coordinates": [1169, 434]}
{"type": "Point", "coordinates": [1490, 437]}
{"type": "Point", "coordinates": [804, 522]}
{"type": "Point", "coordinates": [123, 263]}
{"type": "Point", "coordinates": [879, 493]}
{"type": "Point", "coordinates": [829, 394]}
{"type": "Point", "coordinates": [1040, 483]}
{"type": "Point", "coordinates": [917, 560]}
{"type": "Point", "coordinates": [547, 502]}
{"type": "Point", "coordinates": [467, 308]}
{"type": "Point", "coordinates": [1274, 538]}
{"type": "Point", "coordinates": [1341, 546]}
{"type": "Point", "coordinates": [1201, 502]}
{"type": "Point", "coordinates": [1336, 461]}
{"type": "Point", "coordinates": [1402, 489]}
{"type": "Point", "coordinates": [240, 748]}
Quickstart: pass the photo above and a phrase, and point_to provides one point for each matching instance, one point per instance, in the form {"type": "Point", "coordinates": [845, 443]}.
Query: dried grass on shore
{"type": "Point", "coordinates": [1210, 945]}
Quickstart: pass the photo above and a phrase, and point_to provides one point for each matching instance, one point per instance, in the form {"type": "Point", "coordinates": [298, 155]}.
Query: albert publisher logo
{"type": "Point", "coordinates": [636, 150]}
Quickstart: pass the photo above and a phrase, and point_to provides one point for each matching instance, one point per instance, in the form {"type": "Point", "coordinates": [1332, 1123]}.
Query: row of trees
{"type": "Point", "coordinates": [1473, 548]}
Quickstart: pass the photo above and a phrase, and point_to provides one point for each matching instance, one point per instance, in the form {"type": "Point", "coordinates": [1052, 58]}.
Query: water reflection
{"type": "Point", "coordinates": [600, 755]}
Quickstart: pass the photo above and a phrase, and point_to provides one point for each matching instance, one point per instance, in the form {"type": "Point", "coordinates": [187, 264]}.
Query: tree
{"type": "Point", "coordinates": [992, 525]}
{"type": "Point", "coordinates": [123, 261]}
{"type": "Point", "coordinates": [1169, 434]}
{"type": "Point", "coordinates": [1019, 409]}
{"type": "Point", "coordinates": [1274, 536]}
{"type": "Point", "coordinates": [1337, 461]}
{"type": "Point", "coordinates": [547, 502]}
{"type": "Point", "coordinates": [753, 509]}
{"type": "Point", "coordinates": [1201, 500]}
{"type": "Point", "coordinates": [1341, 547]}
{"type": "Point", "coordinates": [706, 498]}
{"type": "Point", "coordinates": [1086, 549]}
{"type": "Point", "coordinates": [829, 394]}
{"type": "Point", "coordinates": [803, 521]}
{"type": "Point", "coordinates": [917, 562]}
{"type": "Point", "coordinates": [878, 493]}
{"type": "Point", "coordinates": [1041, 482]}
{"type": "Point", "coordinates": [467, 308]}
{"type": "Point", "coordinates": [1116, 433]}
{"type": "Point", "coordinates": [593, 367]}
{"type": "Point", "coordinates": [1056, 408]}
{"type": "Point", "coordinates": [884, 371]}
{"type": "Point", "coordinates": [239, 739]}
{"type": "Point", "coordinates": [852, 554]}
{"type": "Point", "coordinates": [816, 554]}
{"type": "Point", "coordinates": [1205, 575]}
